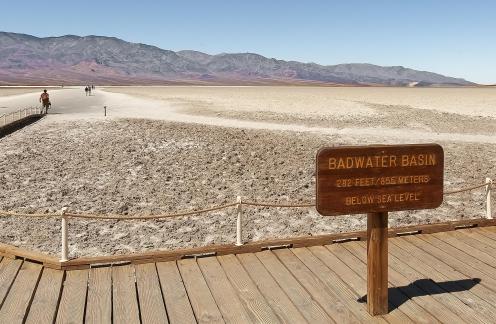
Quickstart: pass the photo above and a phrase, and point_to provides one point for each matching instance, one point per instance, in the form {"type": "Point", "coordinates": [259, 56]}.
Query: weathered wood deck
{"type": "Point", "coordinates": [447, 277]}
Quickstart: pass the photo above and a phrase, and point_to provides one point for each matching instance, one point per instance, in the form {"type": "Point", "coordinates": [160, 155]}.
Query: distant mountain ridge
{"type": "Point", "coordinates": [26, 59]}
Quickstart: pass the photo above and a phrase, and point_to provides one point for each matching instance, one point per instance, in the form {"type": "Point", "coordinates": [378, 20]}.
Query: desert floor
{"type": "Point", "coordinates": [167, 149]}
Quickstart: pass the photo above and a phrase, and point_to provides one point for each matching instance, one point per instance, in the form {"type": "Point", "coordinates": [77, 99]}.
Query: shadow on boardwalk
{"type": "Point", "coordinates": [425, 287]}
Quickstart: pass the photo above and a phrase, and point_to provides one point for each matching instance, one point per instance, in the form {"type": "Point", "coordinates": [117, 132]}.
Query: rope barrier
{"type": "Point", "coordinates": [123, 217]}
{"type": "Point", "coordinates": [6, 213]}
{"type": "Point", "coordinates": [190, 213]}
{"type": "Point", "coordinates": [265, 204]}
{"type": "Point", "coordinates": [465, 189]}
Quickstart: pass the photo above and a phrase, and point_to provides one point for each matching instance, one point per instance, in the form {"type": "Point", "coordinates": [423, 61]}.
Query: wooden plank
{"type": "Point", "coordinates": [99, 302]}
{"type": "Point", "coordinates": [461, 287]}
{"type": "Point", "coordinates": [472, 247]}
{"type": "Point", "coordinates": [300, 297]}
{"type": "Point", "coordinates": [333, 304]}
{"type": "Point", "coordinates": [21, 293]}
{"type": "Point", "coordinates": [73, 300]}
{"type": "Point", "coordinates": [430, 287]}
{"type": "Point", "coordinates": [202, 301]}
{"type": "Point", "coordinates": [152, 307]}
{"type": "Point", "coordinates": [224, 294]}
{"type": "Point", "coordinates": [489, 232]}
{"type": "Point", "coordinates": [348, 267]}
{"type": "Point", "coordinates": [270, 289]}
{"type": "Point", "coordinates": [28, 254]}
{"type": "Point", "coordinates": [334, 283]}
{"type": "Point", "coordinates": [252, 247]}
{"type": "Point", "coordinates": [45, 303]}
{"type": "Point", "coordinates": [175, 295]}
{"type": "Point", "coordinates": [478, 235]}
{"type": "Point", "coordinates": [8, 271]}
{"type": "Point", "coordinates": [453, 274]}
{"type": "Point", "coordinates": [124, 298]}
{"type": "Point", "coordinates": [465, 257]}
{"type": "Point", "coordinates": [247, 291]}
{"type": "Point", "coordinates": [430, 304]}
{"type": "Point", "coordinates": [450, 256]}
{"type": "Point", "coordinates": [355, 277]}
{"type": "Point", "coordinates": [490, 228]}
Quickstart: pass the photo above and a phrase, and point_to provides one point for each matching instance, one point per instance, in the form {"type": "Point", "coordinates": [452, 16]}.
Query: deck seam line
{"type": "Point", "coordinates": [277, 283]}
{"type": "Point", "coordinates": [463, 259]}
{"type": "Point", "coordinates": [11, 284]}
{"type": "Point", "coordinates": [464, 272]}
{"type": "Point", "coordinates": [389, 282]}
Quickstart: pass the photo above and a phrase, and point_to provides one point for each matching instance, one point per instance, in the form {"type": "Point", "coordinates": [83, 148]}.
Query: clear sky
{"type": "Point", "coordinates": [455, 38]}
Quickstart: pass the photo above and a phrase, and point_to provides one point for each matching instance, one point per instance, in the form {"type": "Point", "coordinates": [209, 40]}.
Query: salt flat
{"type": "Point", "coordinates": [165, 149]}
{"type": "Point", "coordinates": [323, 100]}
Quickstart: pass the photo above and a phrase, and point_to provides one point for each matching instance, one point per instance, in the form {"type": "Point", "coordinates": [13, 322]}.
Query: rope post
{"type": "Point", "coordinates": [65, 246]}
{"type": "Point", "coordinates": [239, 232]}
{"type": "Point", "coordinates": [489, 183]}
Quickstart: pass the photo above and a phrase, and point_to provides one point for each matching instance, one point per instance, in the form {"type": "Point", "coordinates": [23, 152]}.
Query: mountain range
{"type": "Point", "coordinates": [26, 60]}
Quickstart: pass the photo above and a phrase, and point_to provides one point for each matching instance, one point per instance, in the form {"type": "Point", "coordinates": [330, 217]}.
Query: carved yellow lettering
{"type": "Point", "coordinates": [349, 162]}
{"type": "Point", "coordinates": [413, 161]}
{"type": "Point", "coordinates": [332, 163]}
{"type": "Point", "coordinates": [384, 161]}
{"type": "Point", "coordinates": [393, 160]}
{"type": "Point", "coordinates": [432, 159]}
{"type": "Point", "coordinates": [359, 160]}
{"type": "Point", "coordinates": [421, 159]}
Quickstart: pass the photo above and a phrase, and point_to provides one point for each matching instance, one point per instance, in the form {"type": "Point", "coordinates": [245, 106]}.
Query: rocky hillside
{"type": "Point", "coordinates": [26, 59]}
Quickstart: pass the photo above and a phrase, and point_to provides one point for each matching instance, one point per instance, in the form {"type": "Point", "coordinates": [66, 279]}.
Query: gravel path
{"type": "Point", "coordinates": [143, 167]}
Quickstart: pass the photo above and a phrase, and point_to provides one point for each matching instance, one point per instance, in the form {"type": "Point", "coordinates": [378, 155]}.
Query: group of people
{"type": "Point", "coordinates": [88, 89]}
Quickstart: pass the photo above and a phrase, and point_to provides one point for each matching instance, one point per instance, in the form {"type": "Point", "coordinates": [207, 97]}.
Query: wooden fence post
{"type": "Point", "coordinates": [65, 245]}
{"type": "Point", "coordinates": [489, 183]}
{"type": "Point", "coordinates": [239, 230]}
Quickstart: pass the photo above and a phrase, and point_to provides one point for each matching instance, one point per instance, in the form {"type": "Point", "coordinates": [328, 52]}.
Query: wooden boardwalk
{"type": "Point", "coordinates": [447, 277]}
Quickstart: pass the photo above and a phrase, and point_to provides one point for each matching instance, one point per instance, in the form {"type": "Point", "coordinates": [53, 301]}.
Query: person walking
{"type": "Point", "coordinates": [45, 101]}
{"type": "Point", "coordinates": [89, 90]}
{"type": "Point", "coordinates": [86, 90]}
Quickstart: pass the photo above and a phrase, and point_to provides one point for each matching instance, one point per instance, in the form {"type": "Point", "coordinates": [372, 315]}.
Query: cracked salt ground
{"type": "Point", "coordinates": [99, 166]}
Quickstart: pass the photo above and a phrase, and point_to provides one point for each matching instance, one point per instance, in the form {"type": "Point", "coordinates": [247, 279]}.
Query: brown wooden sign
{"type": "Point", "coordinates": [379, 178]}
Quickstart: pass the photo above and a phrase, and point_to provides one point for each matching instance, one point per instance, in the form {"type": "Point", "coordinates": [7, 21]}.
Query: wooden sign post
{"type": "Point", "coordinates": [377, 263]}
{"type": "Point", "coordinates": [375, 180]}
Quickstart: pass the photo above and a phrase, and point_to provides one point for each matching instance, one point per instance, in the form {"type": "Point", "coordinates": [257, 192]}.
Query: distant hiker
{"type": "Point", "coordinates": [89, 90]}
{"type": "Point", "coordinates": [92, 87]}
{"type": "Point", "coordinates": [45, 101]}
{"type": "Point", "coordinates": [86, 90]}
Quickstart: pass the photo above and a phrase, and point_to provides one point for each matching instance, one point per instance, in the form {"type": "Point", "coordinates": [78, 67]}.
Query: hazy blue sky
{"type": "Point", "coordinates": [456, 38]}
